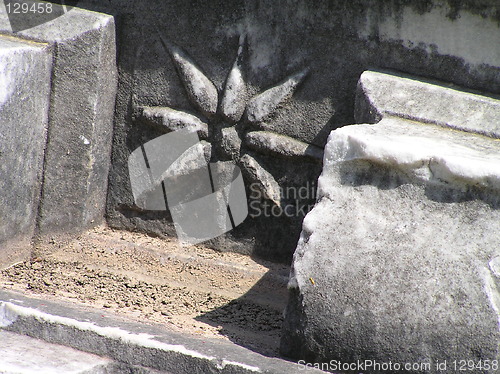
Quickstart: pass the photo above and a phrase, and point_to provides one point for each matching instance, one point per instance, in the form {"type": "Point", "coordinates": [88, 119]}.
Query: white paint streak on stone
{"type": "Point", "coordinates": [239, 364]}
{"type": "Point", "coordinates": [10, 312]}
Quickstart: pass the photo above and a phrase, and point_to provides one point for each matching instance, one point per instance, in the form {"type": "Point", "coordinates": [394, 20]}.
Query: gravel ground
{"type": "Point", "coordinates": [192, 289]}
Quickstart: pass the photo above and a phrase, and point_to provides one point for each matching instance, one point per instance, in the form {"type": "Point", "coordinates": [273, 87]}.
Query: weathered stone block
{"type": "Point", "coordinates": [80, 128]}
{"type": "Point", "coordinates": [24, 101]}
{"type": "Point", "coordinates": [384, 94]}
{"type": "Point", "coordinates": [398, 260]}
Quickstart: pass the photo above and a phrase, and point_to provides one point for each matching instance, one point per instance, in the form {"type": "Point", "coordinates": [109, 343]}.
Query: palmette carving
{"type": "Point", "coordinates": [226, 119]}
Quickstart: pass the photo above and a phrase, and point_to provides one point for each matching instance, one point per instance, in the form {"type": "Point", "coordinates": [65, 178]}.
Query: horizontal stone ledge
{"type": "Point", "coordinates": [381, 94]}
{"type": "Point", "coordinates": [425, 153]}
{"type": "Point", "coordinates": [131, 343]}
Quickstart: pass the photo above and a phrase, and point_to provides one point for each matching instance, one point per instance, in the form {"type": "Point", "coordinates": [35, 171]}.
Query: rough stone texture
{"type": "Point", "coordinates": [264, 104]}
{"type": "Point", "coordinates": [246, 47]}
{"type": "Point", "coordinates": [262, 179]}
{"type": "Point", "coordinates": [174, 120]}
{"type": "Point", "coordinates": [398, 261]}
{"type": "Point", "coordinates": [385, 94]}
{"type": "Point", "coordinates": [199, 88]}
{"type": "Point", "coordinates": [282, 145]}
{"type": "Point", "coordinates": [24, 102]}
{"type": "Point", "coordinates": [80, 128]}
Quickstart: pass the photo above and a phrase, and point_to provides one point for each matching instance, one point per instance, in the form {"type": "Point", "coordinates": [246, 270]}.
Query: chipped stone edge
{"type": "Point", "coordinates": [427, 164]}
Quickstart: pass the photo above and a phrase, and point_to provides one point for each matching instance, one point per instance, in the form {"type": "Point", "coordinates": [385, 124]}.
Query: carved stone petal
{"type": "Point", "coordinates": [234, 99]}
{"type": "Point", "coordinates": [269, 142]}
{"type": "Point", "coordinates": [196, 157]}
{"type": "Point", "coordinates": [264, 181]}
{"type": "Point", "coordinates": [228, 143]}
{"type": "Point", "coordinates": [200, 89]}
{"type": "Point", "coordinates": [264, 104]}
{"type": "Point", "coordinates": [174, 120]}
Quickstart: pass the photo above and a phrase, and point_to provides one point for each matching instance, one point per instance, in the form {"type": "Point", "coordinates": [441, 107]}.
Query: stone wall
{"type": "Point", "coordinates": [263, 84]}
{"type": "Point", "coordinates": [330, 42]}
{"type": "Point", "coordinates": [278, 77]}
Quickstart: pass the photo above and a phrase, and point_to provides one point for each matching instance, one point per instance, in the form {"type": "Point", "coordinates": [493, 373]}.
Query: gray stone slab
{"type": "Point", "coordinates": [22, 354]}
{"type": "Point", "coordinates": [386, 94]}
{"type": "Point", "coordinates": [80, 128]}
{"type": "Point", "coordinates": [398, 261]}
{"type": "Point", "coordinates": [24, 103]}
{"type": "Point", "coordinates": [130, 344]}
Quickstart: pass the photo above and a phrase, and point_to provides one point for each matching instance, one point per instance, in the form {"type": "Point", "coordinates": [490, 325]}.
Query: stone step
{"type": "Point", "coordinates": [22, 354]}
{"type": "Point", "coordinates": [122, 344]}
{"type": "Point", "coordinates": [383, 94]}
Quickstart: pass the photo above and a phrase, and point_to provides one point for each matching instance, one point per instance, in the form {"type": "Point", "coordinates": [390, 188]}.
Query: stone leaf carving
{"type": "Point", "coordinates": [199, 88]}
{"type": "Point", "coordinates": [230, 142]}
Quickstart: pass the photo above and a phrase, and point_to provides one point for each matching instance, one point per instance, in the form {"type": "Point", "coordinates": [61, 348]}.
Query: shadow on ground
{"type": "Point", "coordinates": [254, 320]}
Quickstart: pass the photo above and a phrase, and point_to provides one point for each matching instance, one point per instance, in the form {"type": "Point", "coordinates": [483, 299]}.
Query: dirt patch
{"type": "Point", "coordinates": [192, 289]}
